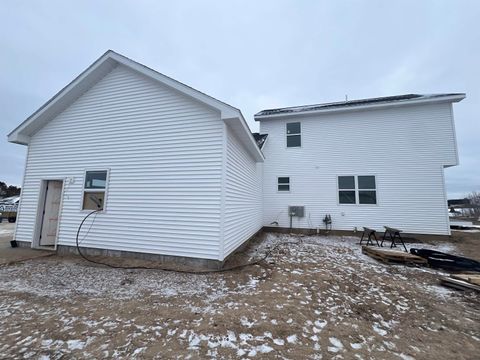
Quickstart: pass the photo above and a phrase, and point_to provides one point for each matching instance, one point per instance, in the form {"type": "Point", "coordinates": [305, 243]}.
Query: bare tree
{"type": "Point", "coordinates": [474, 209]}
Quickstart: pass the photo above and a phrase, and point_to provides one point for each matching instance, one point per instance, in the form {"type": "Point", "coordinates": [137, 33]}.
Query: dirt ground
{"type": "Point", "coordinates": [316, 297]}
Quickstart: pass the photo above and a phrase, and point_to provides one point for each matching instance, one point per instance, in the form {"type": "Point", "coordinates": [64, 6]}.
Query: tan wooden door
{"type": "Point", "coordinates": [51, 211]}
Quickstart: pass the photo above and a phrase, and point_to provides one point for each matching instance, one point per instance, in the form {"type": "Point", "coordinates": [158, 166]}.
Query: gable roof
{"type": "Point", "coordinates": [360, 104]}
{"type": "Point", "coordinates": [103, 65]}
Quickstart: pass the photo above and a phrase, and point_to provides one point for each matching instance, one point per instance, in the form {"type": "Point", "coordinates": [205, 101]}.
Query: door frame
{"type": "Point", "coordinates": [39, 215]}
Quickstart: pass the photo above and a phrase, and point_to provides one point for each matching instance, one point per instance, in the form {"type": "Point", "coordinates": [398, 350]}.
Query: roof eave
{"type": "Point", "coordinates": [22, 133]}
{"type": "Point", "coordinates": [19, 132]}
{"type": "Point", "coordinates": [18, 138]}
{"type": "Point", "coordinates": [240, 126]}
{"type": "Point", "coordinates": [450, 99]}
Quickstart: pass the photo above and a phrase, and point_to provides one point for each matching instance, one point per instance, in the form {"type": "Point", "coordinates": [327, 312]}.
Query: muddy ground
{"type": "Point", "coordinates": [316, 297]}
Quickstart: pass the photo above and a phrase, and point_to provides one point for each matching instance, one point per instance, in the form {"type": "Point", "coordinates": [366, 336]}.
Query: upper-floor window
{"type": "Point", "coordinates": [283, 183]}
{"type": "Point", "coordinates": [294, 135]}
{"type": "Point", "coordinates": [94, 190]}
{"type": "Point", "coordinates": [359, 189]}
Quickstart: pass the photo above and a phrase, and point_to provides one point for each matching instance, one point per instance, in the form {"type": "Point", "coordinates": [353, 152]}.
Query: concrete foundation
{"type": "Point", "coordinates": [199, 264]}
{"type": "Point", "coordinates": [410, 238]}
{"type": "Point", "coordinates": [167, 260]}
{"type": "Point", "coordinates": [24, 244]}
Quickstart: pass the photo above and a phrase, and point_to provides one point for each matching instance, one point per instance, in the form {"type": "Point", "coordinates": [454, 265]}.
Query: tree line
{"type": "Point", "coordinates": [8, 190]}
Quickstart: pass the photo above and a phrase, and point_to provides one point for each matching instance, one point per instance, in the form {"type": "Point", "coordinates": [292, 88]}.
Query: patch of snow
{"type": "Point", "coordinates": [379, 330]}
{"type": "Point", "coordinates": [336, 343]}
{"type": "Point", "coordinates": [264, 349]}
{"type": "Point", "coordinates": [245, 322]}
{"type": "Point", "coordinates": [75, 344]}
{"type": "Point", "coordinates": [292, 339]}
{"type": "Point", "coordinates": [6, 232]}
{"type": "Point", "coordinates": [279, 342]}
{"type": "Point", "coordinates": [405, 357]}
{"type": "Point", "coordinates": [440, 291]}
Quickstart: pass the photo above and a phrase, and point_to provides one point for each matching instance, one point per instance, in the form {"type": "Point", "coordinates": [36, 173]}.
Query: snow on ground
{"type": "Point", "coordinates": [316, 296]}
{"type": "Point", "coordinates": [6, 232]}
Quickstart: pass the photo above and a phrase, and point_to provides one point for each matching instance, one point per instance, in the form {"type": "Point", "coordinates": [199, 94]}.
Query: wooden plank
{"type": "Point", "coordinates": [392, 256]}
{"type": "Point", "coordinates": [471, 278]}
{"type": "Point", "coordinates": [458, 284]}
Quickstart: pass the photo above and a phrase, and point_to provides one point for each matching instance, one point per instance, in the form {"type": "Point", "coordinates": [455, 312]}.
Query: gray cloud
{"type": "Point", "coordinates": [253, 55]}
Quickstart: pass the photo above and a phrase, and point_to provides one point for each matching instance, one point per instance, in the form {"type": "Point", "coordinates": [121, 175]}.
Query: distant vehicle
{"type": "Point", "coordinates": [8, 208]}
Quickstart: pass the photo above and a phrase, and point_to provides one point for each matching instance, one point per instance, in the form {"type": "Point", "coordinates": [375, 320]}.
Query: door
{"type": "Point", "coordinates": [51, 211]}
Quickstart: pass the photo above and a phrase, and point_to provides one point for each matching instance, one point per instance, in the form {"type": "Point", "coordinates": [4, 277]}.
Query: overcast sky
{"type": "Point", "coordinates": [252, 55]}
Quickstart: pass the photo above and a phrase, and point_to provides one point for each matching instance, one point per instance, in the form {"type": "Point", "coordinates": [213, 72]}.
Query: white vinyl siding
{"type": "Point", "coordinates": [405, 147]}
{"type": "Point", "coordinates": [164, 155]}
{"type": "Point", "coordinates": [243, 195]}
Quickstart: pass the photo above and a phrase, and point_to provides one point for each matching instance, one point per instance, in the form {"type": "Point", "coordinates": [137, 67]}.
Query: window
{"type": "Point", "coordinates": [283, 184]}
{"type": "Point", "coordinates": [357, 189]}
{"type": "Point", "coordinates": [94, 190]}
{"type": "Point", "coordinates": [367, 193]}
{"type": "Point", "coordinates": [346, 190]}
{"type": "Point", "coordinates": [294, 137]}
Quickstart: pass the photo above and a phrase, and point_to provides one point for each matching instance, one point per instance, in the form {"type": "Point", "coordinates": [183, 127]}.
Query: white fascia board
{"type": "Point", "coordinates": [259, 157]}
{"type": "Point", "coordinates": [93, 73]}
{"type": "Point", "coordinates": [18, 138]}
{"type": "Point", "coordinates": [242, 131]}
{"type": "Point", "coordinates": [450, 99]}
{"type": "Point", "coordinates": [60, 98]}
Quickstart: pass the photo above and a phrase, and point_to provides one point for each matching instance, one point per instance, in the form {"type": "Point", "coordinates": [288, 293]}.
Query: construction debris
{"type": "Point", "coordinates": [471, 278]}
{"type": "Point", "coordinates": [462, 281]}
{"type": "Point", "coordinates": [437, 259]}
{"type": "Point", "coordinates": [393, 256]}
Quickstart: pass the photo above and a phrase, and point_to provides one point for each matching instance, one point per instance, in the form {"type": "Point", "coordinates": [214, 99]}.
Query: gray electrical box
{"type": "Point", "coordinates": [298, 211]}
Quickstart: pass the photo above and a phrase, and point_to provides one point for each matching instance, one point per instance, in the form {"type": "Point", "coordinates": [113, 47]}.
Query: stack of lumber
{"type": "Point", "coordinates": [462, 281]}
{"type": "Point", "coordinates": [393, 256]}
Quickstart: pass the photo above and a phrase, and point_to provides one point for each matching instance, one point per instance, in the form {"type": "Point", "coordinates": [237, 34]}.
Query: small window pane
{"type": "Point", "coordinates": [367, 197]}
{"type": "Point", "coordinates": [366, 182]}
{"type": "Point", "coordinates": [346, 197]}
{"type": "Point", "coordinates": [293, 128]}
{"type": "Point", "coordinates": [283, 187]}
{"type": "Point", "coordinates": [294, 141]}
{"type": "Point", "coordinates": [95, 179]}
{"type": "Point", "coordinates": [346, 182]}
{"type": "Point", "coordinates": [93, 200]}
{"type": "Point", "coordinates": [283, 180]}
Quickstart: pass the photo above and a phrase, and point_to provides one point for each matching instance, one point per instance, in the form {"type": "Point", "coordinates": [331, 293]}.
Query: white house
{"type": "Point", "coordinates": [371, 162]}
{"type": "Point", "coordinates": [178, 174]}
{"type": "Point", "coordinates": [176, 171]}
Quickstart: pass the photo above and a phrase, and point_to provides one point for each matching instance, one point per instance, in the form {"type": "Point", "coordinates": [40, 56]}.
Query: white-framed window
{"type": "Point", "coordinates": [283, 183]}
{"type": "Point", "coordinates": [94, 189]}
{"type": "Point", "coordinates": [357, 189]}
{"type": "Point", "coordinates": [294, 134]}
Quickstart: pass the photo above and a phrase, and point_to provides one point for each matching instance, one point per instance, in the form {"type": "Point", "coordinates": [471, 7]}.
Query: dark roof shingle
{"type": "Point", "coordinates": [352, 103]}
